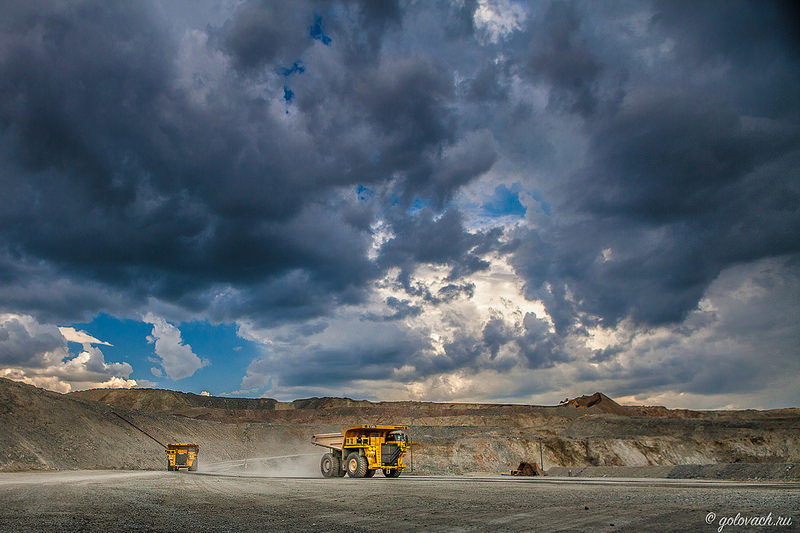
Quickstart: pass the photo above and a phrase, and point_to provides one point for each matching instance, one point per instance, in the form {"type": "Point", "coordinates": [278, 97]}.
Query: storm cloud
{"type": "Point", "coordinates": [427, 199]}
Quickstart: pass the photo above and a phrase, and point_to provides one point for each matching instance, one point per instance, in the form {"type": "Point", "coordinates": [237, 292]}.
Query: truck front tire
{"type": "Point", "coordinates": [357, 465]}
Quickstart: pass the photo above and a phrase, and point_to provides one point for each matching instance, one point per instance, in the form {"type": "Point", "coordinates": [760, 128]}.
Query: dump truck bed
{"type": "Point", "coordinates": [333, 441]}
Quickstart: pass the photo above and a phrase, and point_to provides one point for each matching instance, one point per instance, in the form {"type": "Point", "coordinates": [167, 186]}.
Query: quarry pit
{"type": "Point", "coordinates": [68, 463]}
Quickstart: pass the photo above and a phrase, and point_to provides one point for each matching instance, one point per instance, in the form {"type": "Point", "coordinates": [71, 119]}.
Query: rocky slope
{"type": "Point", "coordinates": [43, 430]}
{"type": "Point", "coordinates": [79, 430]}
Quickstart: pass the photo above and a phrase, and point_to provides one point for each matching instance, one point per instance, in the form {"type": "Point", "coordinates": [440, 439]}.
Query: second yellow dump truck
{"type": "Point", "coordinates": [360, 451]}
{"type": "Point", "coordinates": [182, 455]}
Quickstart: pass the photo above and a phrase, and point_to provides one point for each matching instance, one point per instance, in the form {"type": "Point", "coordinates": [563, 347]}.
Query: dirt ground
{"type": "Point", "coordinates": [182, 501]}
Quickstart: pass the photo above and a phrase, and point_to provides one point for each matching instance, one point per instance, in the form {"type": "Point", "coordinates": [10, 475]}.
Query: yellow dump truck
{"type": "Point", "coordinates": [360, 451]}
{"type": "Point", "coordinates": [182, 455]}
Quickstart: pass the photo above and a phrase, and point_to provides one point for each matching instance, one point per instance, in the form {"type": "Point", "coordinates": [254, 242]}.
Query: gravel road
{"type": "Point", "coordinates": [182, 501]}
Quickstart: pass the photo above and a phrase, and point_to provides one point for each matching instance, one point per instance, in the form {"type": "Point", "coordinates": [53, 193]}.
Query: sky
{"type": "Point", "coordinates": [457, 201]}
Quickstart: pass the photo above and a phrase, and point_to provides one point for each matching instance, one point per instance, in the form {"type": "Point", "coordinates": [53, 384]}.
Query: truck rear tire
{"type": "Point", "coordinates": [357, 465]}
{"type": "Point", "coordinates": [370, 473]}
{"type": "Point", "coordinates": [329, 465]}
{"type": "Point", "coordinates": [391, 472]}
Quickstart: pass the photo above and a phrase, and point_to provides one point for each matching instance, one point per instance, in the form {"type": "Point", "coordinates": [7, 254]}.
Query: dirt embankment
{"type": "Point", "coordinates": [47, 430]}
{"type": "Point", "coordinates": [44, 430]}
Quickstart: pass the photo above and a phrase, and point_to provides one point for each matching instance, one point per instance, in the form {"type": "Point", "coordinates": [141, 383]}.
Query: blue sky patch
{"type": "Point", "coordinates": [364, 193]}
{"type": "Point", "coordinates": [504, 202]}
{"type": "Point", "coordinates": [229, 354]}
{"type": "Point", "coordinates": [418, 205]}
{"type": "Point", "coordinates": [316, 32]}
{"type": "Point", "coordinates": [297, 67]}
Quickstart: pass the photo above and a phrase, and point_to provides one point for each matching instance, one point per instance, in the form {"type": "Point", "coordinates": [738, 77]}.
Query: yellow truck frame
{"type": "Point", "coordinates": [183, 455]}
{"type": "Point", "coordinates": [360, 451]}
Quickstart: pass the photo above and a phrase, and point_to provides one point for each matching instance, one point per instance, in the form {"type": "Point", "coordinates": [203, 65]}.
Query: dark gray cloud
{"type": "Point", "coordinates": [559, 54]}
{"type": "Point", "coordinates": [402, 309]}
{"type": "Point", "coordinates": [726, 348]}
{"type": "Point", "coordinates": [422, 238]}
{"type": "Point", "coordinates": [278, 163]}
{"type": "Point", "coordinates": [261, 35]}
{"type": "Point", "coordinates": [487, 86]}
{"type": "Point", "coordinates": [496, 333]}
{"type": "Point", "coordinates": [265, 34]}
{"type": "Point", "coordinates": [364, 40]}
{"type": "Point", "coordinates": [538, 345]}
{"type": "Point", "coordinates": [746, 33]}
{"type": "Point", "coordinates": [115, 174]}
{"type": "Point", "coordinates": [679, 183]}
{"type": "Point", "coordinates": [374, 351]}
{"type": "Point", "coordinates": [21, 347]}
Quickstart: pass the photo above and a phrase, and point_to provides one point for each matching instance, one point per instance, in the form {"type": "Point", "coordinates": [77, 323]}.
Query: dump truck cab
{"type": "Point", "coordinates": [360, 451]}
{"type": "Point", "coordinates": [183, 455]}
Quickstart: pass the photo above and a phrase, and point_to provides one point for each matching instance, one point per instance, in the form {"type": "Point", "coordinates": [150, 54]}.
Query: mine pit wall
{"type": "Point", "coordinates": [101, 443]}
{"type": "Point", "coordinates": [439, 451]}
{"type": "Point", "coordinates": [41, 430]}
{"type": "Point", "coordinates": [44, 430]}
{"type": "Point", "coordinates": [606, 440]}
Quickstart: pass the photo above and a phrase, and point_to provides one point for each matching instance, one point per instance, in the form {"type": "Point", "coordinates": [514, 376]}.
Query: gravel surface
{"type": "Point", "coordinates": [730, 471]}
{"type": "Point", "coordinates": [182, 501]}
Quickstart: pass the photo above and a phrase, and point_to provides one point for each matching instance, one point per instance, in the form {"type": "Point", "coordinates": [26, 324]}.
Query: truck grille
{"type": "Point", "coordinates": [390, 453]}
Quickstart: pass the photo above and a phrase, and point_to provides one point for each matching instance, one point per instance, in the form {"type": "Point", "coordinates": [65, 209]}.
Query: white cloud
{"type": "Point", "coordinates": [38, 354]}
{"type": "Point", "coordinates": [81, 337]}
{"type": "Point", "coordinates": [396, 358]}
{"type": "Point", "coordinates": [118, 383]}
{"type": "Point", "coordinates": [205, 393]}
{"type": "Point", "coordinates": [724, 355]}
{"type": "Point", "coordinates": [497, 19]}
{"type": "Point", "coordinates": [177, 358]}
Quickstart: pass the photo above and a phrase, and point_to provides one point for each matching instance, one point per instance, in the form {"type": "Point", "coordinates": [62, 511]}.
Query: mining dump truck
{"type": "Point", "coordinates": [179, 456]}
{"type": "Point", "coordinates": [182, 456]}
{"type": "Point", "coordinates": [360, 451]}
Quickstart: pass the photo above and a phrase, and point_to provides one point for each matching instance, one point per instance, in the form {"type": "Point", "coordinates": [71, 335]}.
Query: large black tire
{"type": "Point", "coordinates": [329, 465]}
{"type": "Point", "coordinates": [169, 467]}
{"type": "Point", "coordinates": [370, 473]}
{"type": "Point", "coordinates": [342, 467]}
{"type": "Point", "coordinates": [193, 468]}
{"type": "Point", "coordinates": [391, 472]}
{"type": "Point", "coordinates": [356, 465]}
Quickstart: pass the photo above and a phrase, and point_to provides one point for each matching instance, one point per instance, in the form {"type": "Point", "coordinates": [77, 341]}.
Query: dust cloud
{"type": "Point", "coordinates": [296, 465]}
